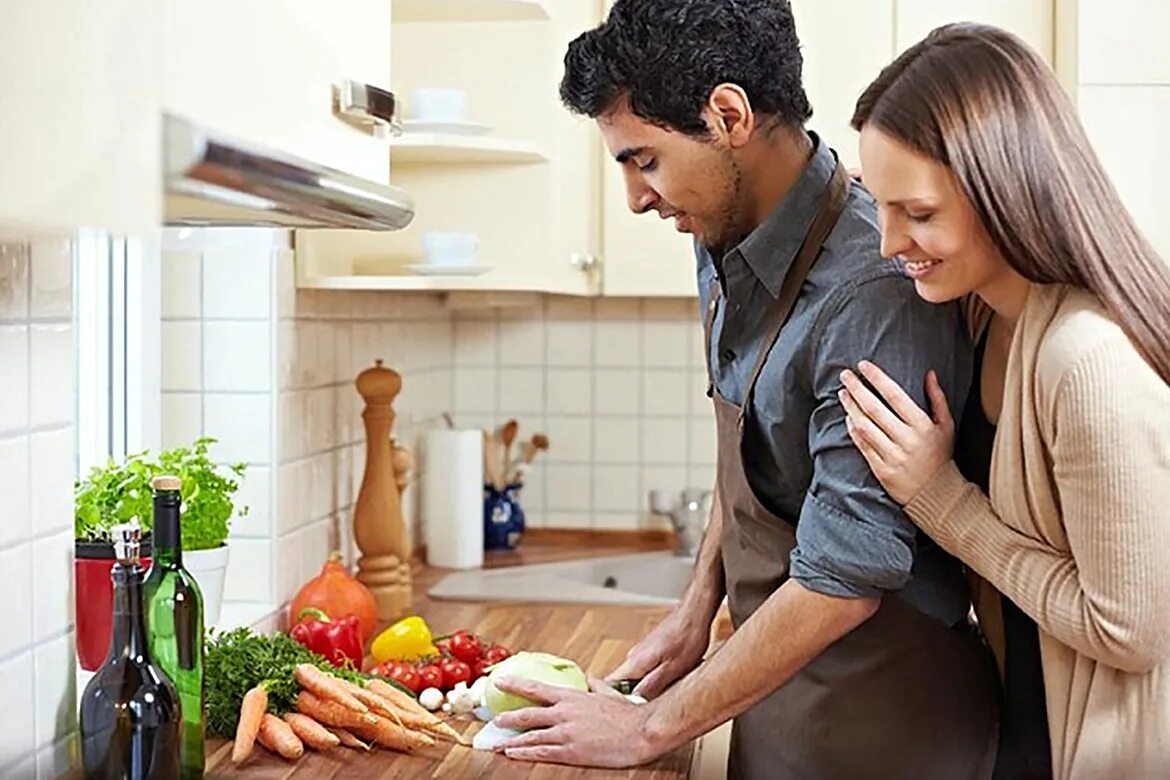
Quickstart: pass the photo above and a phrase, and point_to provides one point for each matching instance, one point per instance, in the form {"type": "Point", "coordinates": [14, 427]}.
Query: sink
{"type": "Point", "coordinates": [657, 578]}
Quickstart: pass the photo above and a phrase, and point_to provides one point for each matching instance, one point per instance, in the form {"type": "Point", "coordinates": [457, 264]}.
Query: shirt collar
{"type": "Point", "coordinates": [771, 248]}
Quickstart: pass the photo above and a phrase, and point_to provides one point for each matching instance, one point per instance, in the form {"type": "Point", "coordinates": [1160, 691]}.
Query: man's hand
{"type": "Point", "coordinates": [667, 653]}
{"type": "Point", "coordinates": [599, 729]}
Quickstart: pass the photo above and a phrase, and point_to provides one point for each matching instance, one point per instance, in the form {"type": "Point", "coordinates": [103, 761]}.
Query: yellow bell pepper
{"type": "Point", "coordinates": [407, 640]}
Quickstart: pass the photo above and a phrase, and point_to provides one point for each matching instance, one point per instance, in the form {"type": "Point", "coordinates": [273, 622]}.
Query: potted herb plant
{"type": "Point", "coordinates": [118, 492]}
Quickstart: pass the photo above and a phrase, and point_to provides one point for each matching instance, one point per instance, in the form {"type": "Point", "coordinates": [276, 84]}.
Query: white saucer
{"type": "Point", "coordinates": [437, 269]}
{"type": "Point", "coordinates": [456, 128]}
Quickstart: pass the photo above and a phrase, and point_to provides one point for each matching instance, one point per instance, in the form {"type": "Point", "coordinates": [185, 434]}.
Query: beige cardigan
{"type": "Point", "coordinates": [1077, 531]}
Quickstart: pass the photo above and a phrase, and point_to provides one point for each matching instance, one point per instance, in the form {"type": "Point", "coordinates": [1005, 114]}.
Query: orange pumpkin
{"type": "Point", "coordinates": [337, 593]}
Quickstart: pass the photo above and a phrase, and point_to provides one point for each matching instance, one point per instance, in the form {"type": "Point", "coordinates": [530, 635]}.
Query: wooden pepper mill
{"type": "Point", "coordinates": [378, 526]}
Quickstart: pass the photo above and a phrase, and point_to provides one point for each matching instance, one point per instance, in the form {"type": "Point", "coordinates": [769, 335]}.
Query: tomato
{"type": "Point", "coordinates": [465, 647]}
{"type": "Point", "coordinates": [479, 669]}
{"type": "Point", "coordinates": [431, 676]}
{"type": "Point", "coordinates": [455, 671]}
{"type": "Point", "coordinates": [496, 653]}
{"type": "Point", "coordinates": [408, 678]}
{"type": "Point", "coordinates": [387, 670]}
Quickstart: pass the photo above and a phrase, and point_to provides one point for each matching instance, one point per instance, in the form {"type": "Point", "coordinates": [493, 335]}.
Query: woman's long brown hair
{"type": "Point", "coordinates": [978, 100]}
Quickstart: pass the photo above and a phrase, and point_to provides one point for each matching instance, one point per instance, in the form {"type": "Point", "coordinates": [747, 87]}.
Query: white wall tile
{"type": "Point", "coordinates": [17, 722]}
{"type": "Point", "coordinates": [342, 334]}
{"type": "Point", "coordinates": [294, 494]}
{"type": "Point", "coordinates": [569, 488]}
{"type": "Point", "coordinates": [664, 441]}
{"type": "Point", "coordinates": [617, 440]}
{"type": "Point", "coordinates": [292, 430]}
{"type": "Point", "coordinates": [52, 372]}
{"type": "Point", "coordinates": [237, 356]}
{"type": "Point", "coordinates": [52, 596]}
{"type": "Point", "coordinates": [237, 285]}
{"type": "Point", "coordinates": [56, 696]}
{"type": "Point", "coordinates": [13, 281]}
{"type": "Point", "coordinates": [701, 475]}
{"type": "Point", "coordinates": [255, 493]}
{"type": "Point", "coordinates": [674, 309]}
{"type": "Point", "coordinates": [52, 278]}
{"type": "Point", "coordinates": [667, 343]}
{"type": "Point", "coordinates": [665, 392]}
{"type": "Point", "coordinates": [670, 478]}
{"type": "Point", "coordinates": [700, 404]}
{"type": "Point", "coordinates": [314, 553]}
{"type": "Point", "coordinates": [617, 521]}
{"type": "Point", "coordinates": [25, 768]}
{"type": "Point", "coordinates": [521, 391]}
{"type": "Point", "coordinates": [532, 494]}
{"type": "Point", "coordinates": [615, 489]}
{"type": "Point", "coordinates": [616, 343]}
{"type": "Point", "coordinates": [572, 520]}
{"type": "Point", "coordinates": [569, 391]}
{"type": "Point", "coordinates": [51, 470]}
{"type": "Point", "coordinates": [475, 390]}
{"type": "Point", "coordinates": [617, 391]}
{"type": "Point", "coordinates": [55, 761]}
{"type": "Point", "coordinates": [322, 488]}
{"type": "Point", "coordinates": [286, 283]}
{"type": "Point", "coordinates": [570, 439]}
{"type": "Point", "coordinates": [182, 355]}
{"type": "Point", "coordinates": [14, 488]}
{"type": "Point", "coordinates": [182, 419]}
{"type": "Point", "coordinates": [14, 389]}
{"type": "Point", "coordinates": [16, 567]}
{"type": "Point", "coordinates": [182, 284]}
{"type": "Point", "coordinates": [288, 568]}
{"type": "Point", "coordinates": [703, 447]}
{"type": "Point", "coordinates": [475, 343]}
{"type": "Point", "coordinates": [570, 343]}
{"type": "Point", "coordinates": [568, 307]}
{"type": "Point", "coordinates": [249, 571]}
{"type": "Point", "coordinates": [521, 342]}
{"type": "Point", "coordinates": [243, 425]}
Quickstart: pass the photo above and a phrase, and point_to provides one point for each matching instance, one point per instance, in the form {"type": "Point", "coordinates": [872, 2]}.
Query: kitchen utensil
{"type": "Point", "coordinates": [507, 436]}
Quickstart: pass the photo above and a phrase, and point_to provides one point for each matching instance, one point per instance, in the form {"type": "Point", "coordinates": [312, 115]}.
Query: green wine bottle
{"type": "Point", "coordinates": [174, 621]}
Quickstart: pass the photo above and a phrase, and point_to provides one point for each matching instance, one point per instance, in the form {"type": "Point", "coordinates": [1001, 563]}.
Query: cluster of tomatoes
{"type": "Point", "coordinates": [463, 658]}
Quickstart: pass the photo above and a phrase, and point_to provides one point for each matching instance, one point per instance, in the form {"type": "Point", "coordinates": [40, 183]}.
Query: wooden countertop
{"type": "Point", "coordinates": [597, 637]}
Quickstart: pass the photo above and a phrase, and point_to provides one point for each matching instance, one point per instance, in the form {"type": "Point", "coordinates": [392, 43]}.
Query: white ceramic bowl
{"type": "Point", "coordinates": [438, 104]}
{"type": "Point", "coordinates": [443, 247]}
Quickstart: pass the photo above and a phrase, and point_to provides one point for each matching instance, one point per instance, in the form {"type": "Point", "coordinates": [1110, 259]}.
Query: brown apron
{"type": "Point", "coordinates": [902, 695]}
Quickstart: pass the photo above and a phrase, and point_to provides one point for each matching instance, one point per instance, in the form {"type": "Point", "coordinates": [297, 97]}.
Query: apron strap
{"type": "Point", "coordinates": [832, 204]}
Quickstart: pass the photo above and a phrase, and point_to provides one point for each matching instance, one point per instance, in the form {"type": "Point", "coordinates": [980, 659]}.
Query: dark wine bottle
{"type": "Point", "coordinates": [174, 621]}
{"type": "Point", "coordinates": [129, 718]}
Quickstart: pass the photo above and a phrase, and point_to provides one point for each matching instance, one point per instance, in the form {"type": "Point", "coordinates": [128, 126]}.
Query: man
{"type": "Point", "coordinates": [850, 657]}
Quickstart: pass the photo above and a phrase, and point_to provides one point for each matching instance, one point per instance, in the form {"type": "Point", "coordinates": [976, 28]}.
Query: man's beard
{"type": "Point", "coordinates": [731, 229]}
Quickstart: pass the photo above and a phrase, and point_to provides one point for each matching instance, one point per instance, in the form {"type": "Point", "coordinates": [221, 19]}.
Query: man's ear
{"type": "Point", "coordinates": [732, 113]}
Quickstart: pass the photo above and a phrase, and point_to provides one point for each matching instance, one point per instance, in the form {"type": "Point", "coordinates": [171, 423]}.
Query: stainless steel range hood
{"type": "Point", "coordinates": [213, 180]}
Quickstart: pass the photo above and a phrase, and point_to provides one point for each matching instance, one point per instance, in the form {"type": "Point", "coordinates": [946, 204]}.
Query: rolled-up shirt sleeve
{"type": "Point", "coordinates": [852, 539]}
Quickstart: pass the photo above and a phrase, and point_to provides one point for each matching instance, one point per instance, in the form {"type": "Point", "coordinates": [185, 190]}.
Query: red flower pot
{"type": "Point", "coordinates": [94, 599]}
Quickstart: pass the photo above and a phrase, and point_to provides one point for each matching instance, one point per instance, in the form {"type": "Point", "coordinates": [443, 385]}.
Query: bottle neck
{"type": "Point", "coordinates": [128, 637]}
{"type": "Point", "coordinates": [167, 547]}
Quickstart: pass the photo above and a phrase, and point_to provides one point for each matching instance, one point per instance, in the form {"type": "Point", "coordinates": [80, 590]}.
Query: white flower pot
{"type": "Point", "coordinates": [208, 567]}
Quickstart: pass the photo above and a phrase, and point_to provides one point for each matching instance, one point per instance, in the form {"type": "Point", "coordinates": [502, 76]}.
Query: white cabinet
{"type": "Point", "coordinates": [1032, 20]}
{"type": "Point", "coordinates": [845, 44]}
{"type": "Point", "coordinates": [265, 71]}
{"type": "Point", "coordinates": [79, 136]}
{"type": "Point", "coordinates": [1123, 41]}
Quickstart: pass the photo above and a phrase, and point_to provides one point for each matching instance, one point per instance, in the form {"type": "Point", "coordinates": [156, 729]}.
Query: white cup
{"type": "Point", "coordinates": [445, 247]}
{"type": "Point", "coordinates": [439, 104]}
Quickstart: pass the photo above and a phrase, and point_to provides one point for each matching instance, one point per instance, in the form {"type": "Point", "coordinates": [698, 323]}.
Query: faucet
{"type": "Point", "coordinates": [688, 511]}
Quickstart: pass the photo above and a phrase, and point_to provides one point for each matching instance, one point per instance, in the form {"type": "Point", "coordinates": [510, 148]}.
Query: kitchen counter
{"type": "Point", "coordinates": [597, 637]}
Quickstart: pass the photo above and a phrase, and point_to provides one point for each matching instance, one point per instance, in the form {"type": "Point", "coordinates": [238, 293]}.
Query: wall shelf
{"type": "Point", "coordinates": [448, 148]}
{"type": "Point", "coordinates": [468, 10]}
{"type": "Point", "coordinates": [404, 282]}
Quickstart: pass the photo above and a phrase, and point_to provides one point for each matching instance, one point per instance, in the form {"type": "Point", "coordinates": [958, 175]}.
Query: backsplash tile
{"type": "Point", "coordinates": [236, 287]}
{"type": "Point", "coordinates": [37, 463]}
{"type": "Point", "coordinates": [237, 357]}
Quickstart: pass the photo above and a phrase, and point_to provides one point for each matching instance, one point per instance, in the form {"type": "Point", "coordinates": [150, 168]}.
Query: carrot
{"type": "Point", "coordinates": [395, 737]}
{"type": "Point", "coordinates": [278, 736]}
{"type": "Point", "coordinates": [376, 703]}
{"type": "Point", "coordinates": [413, 714]}
{"type": "Point", "coordinates": [347, 739]}
{"type": "Point", "coordinates": [311, 732]}
{"type": "Point", "coordinates": [327, 687]}
{"type": "Point", "coordinates": [252, 710]}
{"type": "Point", "coordinates": [331, 713]}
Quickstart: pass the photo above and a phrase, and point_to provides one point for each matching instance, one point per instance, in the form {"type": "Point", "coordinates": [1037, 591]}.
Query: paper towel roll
{"type": "Point", "coordinates": [451, 510]}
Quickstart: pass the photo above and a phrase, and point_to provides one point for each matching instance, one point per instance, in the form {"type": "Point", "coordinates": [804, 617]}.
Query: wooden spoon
{"type": "Point", "coordinates": [507, 436]}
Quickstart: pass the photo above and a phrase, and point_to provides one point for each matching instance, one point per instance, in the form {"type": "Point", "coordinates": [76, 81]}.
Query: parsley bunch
{"type": "Point", "coordinates": [117, 492]}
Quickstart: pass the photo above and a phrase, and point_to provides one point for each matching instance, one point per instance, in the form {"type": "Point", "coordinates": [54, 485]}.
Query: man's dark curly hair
{"type": "Point", "coordinates": [666, 56]}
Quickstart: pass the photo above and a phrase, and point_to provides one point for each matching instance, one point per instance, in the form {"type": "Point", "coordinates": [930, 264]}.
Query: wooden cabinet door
{"type": "Point", "coordinates": [264, 72]}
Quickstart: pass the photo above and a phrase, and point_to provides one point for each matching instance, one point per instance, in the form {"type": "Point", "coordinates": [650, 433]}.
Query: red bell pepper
{"type": "Point", "coordinates": [338, 640]}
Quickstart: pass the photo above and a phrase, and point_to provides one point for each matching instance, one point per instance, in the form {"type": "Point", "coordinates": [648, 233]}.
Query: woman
{"type": "Point", "coordinates": [988, 188]}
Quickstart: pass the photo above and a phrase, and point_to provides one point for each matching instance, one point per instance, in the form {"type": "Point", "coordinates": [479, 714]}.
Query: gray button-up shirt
{"type": "Point", "coordinates": [852, 538]}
